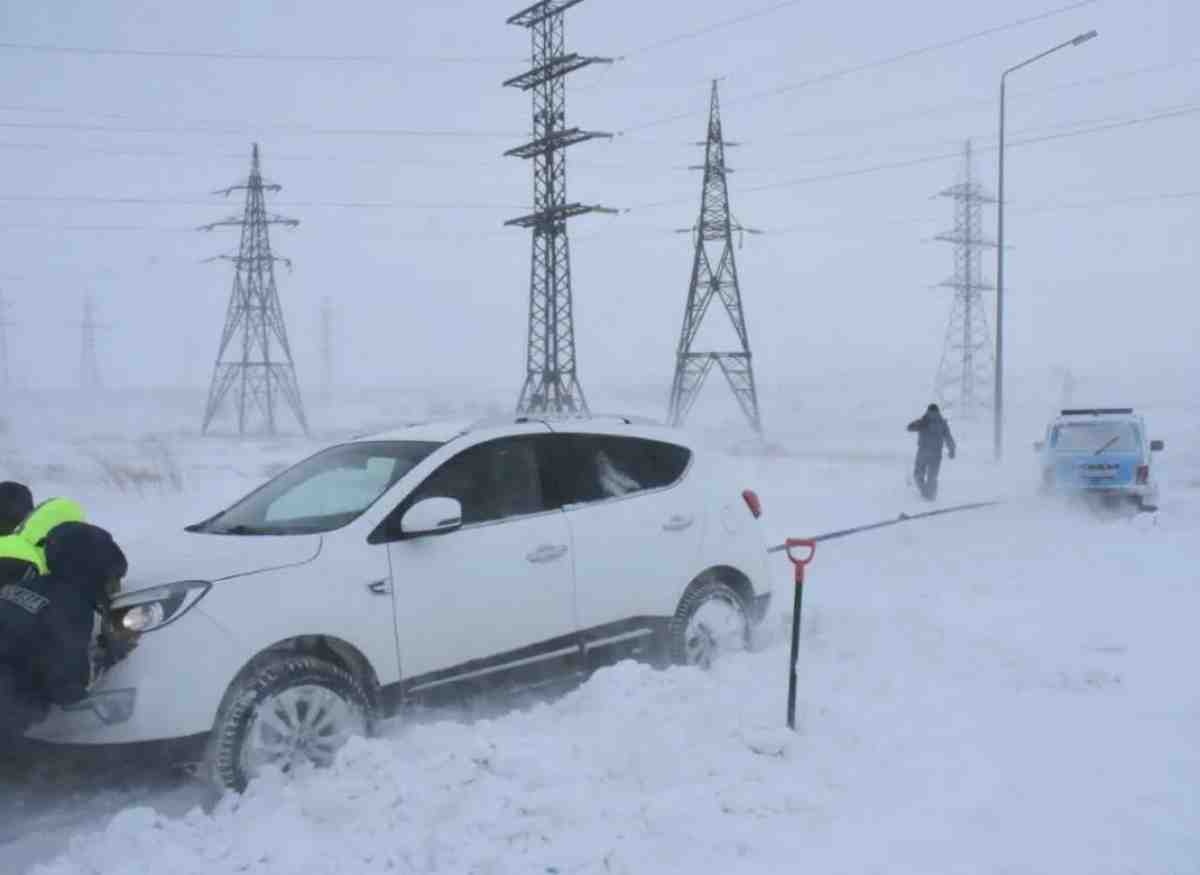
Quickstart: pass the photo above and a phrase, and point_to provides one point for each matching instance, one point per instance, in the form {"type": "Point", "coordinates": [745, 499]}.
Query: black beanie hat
{"type": "Point", "coordinates": [16, 503]}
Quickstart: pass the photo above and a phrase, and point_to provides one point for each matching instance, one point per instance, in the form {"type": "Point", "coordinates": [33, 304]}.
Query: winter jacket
{"type": "Point", "coordinates": [932, 433]}
{"type": "Point", "coordinates": [42, 521]}
{"type": "Point", "coordinates": [46, 622]}
{"type": "Point", "coordinates": [19, 559]}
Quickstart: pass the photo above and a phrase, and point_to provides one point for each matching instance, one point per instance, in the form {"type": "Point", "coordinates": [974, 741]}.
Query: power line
{"type": "Point", "coordinates": [908, 147]}
{"type": "Point", "coordinates": [822, 226]}
{"type": "Point", "coordinates": [1175, 112]}
{"type": "Point", "coordinates": [1034, 210]}
{"type": "Point", "coordinates": [128, 152]}
{"type": "Point", "coordinates": [450, 164]}
{"type": "Point", "coordinates": [49, 226]}
{"type": "Point", "coordinates": [290, 130]}
{"type": "Point", "coordinates": [870, 65]}
{"type": "Point", "coordinates": [223, 55]}
{"type": "Point", "coordinates": [828, 223]}
{"type": "Point", "coordinates": [967, 103]}
{"type": "Point", "coordinates": [709, 28]}
{"type": "Point", "coordinates": [1135, 200]}
{"type": "Point", "coordinates": [351, 205]}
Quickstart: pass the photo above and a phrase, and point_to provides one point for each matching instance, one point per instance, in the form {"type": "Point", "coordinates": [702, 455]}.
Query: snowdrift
{"type": "Point", "coordinates": [981, 694]}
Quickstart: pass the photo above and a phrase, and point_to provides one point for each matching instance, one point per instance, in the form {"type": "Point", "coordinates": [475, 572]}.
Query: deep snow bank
{"type": "Point", "coordinates": [1007, 692]}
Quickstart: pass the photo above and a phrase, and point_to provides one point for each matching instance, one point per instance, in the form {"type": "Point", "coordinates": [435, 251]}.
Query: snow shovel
{"type": "Point", "coordinates": [800, 551]}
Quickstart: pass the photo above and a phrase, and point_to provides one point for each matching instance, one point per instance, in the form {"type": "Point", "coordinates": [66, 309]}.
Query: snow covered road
{"type": "Point", "coordinates": [1004, 691]}
{"type": "Point", "coordinates": [1007, 691]}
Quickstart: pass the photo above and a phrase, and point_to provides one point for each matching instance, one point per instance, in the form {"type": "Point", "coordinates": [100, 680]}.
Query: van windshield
{"type": "Point", "coordinates": [1096, 437]}
{"type": "Point", "coordinates": [322, 493]}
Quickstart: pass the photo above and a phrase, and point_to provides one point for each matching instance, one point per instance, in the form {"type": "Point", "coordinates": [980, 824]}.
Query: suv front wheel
{"type": "Point", "coordinates": [290, 709]}
{"type": "Point", "coordinates": [710, 621]}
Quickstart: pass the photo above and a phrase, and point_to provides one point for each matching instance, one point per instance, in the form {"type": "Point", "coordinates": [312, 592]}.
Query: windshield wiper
{"type": "Point", "coordinates": [1110, 442]}
{"type": "Point", "coordinates": [239, 529]}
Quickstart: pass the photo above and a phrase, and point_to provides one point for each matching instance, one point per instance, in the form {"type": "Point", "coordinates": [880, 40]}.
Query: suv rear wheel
{"type": "Point", "coordinates": [290, 709]}
{"type": "Point", "coordinates": [710, 621]}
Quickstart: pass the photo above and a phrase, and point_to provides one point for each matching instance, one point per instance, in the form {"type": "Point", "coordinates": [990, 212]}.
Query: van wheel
{"type": "Point", "coordinates": [710, 621]}
{"type": "Point", "coordinates": [290, 709]}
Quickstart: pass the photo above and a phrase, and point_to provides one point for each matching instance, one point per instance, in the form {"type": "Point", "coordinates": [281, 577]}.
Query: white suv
{"type": "Point", "coordinates": [389, 566]}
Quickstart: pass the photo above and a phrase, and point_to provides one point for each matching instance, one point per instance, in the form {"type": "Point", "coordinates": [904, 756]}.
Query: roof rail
{"type": "Point", "coordinates": [1097, 411]}
{"type": "Point", "coordinates": [498, 420]}
{"type": "Point", "coordinates": [627, 418]}
{"type": "Point", "coordinates": [519, 419]}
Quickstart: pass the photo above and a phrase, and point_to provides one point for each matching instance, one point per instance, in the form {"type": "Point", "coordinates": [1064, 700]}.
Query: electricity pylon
{"type": "Point", "coordinates": [965, 374]}
{"type": "Point", "coordinates": [714, 274]}
{"type": "Point", "coordinates": [551, 374]}
{"type": "Point", "coordinates": [254, 361]}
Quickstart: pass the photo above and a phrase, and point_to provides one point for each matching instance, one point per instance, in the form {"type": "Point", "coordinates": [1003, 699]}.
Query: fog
{"type": "Point", "coordinates": [430, 289]}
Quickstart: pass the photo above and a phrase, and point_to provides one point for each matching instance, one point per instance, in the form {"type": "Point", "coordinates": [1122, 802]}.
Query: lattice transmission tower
{"type": "Point", "coordinates": [714, 274]}
{"type": "Point", "coordinates": [965, 375]}
{"type": "Point", "coordinates": [254, 363]}
{"type": "Point", "coordinates": [551, 374]}
{"type": "Point", "coordinates": [89, 364]}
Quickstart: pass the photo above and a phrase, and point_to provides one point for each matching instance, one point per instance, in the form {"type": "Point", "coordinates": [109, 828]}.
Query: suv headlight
{"type": "Point", "coordinates": [151, 609]}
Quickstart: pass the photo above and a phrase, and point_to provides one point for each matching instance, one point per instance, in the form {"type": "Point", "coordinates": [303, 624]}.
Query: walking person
{"type": "Point", "coordinates": [933, 436]}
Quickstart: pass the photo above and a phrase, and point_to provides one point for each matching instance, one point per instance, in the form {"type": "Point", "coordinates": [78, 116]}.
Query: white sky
{"type": "Point", "coordinates": [439, 291]}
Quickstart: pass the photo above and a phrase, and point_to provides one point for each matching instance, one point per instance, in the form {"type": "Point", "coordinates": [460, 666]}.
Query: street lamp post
{"type": "Point", "coordinates": [998, 400]}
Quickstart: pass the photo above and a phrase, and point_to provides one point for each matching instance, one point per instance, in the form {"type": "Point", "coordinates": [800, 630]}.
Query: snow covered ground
{"type": "Point", "coordinates": [1007, 690]}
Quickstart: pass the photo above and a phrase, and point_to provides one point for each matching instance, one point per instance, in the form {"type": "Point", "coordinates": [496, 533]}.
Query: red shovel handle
{"type": "Point", "coordinates": [800, 551]}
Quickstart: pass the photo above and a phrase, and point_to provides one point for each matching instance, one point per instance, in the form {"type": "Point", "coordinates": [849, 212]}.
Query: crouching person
{"type": "Point", "coordinates": [47, 624]}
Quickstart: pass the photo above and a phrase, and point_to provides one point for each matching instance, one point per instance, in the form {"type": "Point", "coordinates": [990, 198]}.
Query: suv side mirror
{"type": "Point", "coordinates": [432, 516]}
{"type": "Point", "coordinates": [1156, 446]}
{"type": "Point", "coordinates": [1038, 446]}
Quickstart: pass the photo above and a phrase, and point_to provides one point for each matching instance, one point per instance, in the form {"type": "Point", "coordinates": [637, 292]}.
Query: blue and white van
{"type": "Point", "coordinates": [1101, 452]}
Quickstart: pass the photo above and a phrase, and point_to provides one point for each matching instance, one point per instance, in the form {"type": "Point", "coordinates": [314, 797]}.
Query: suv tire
{"type": "Point", "coordinates": [711, 620]}
{"type": "Point", "coordinates": [286, 709]}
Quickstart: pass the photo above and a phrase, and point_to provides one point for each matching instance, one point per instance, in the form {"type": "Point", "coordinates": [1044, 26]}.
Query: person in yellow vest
{"type": "Point", "coordinates": [23, 553]}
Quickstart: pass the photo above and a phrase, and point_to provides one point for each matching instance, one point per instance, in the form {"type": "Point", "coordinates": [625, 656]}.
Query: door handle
{"type": "Point", "coordinates": [547, 553]}
{"type": "Point", "coordinates": [678, 523]}
{"type": "Point", "coordinates": [380, 587]}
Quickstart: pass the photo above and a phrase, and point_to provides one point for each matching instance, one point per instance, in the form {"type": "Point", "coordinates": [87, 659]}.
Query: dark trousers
{"type": "Point", "coordinates": [925, 473]}
{"type": "Point", "coordinates": [17, 710]}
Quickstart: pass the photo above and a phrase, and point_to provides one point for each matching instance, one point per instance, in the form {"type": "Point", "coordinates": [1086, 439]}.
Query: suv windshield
{"type": "Point", "coordinates": [322, 493]}
{"type": "Point", "coordinates": [1096, 437]}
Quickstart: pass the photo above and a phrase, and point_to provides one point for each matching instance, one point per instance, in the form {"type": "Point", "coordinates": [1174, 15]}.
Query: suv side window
{"type": "Point", "coordinates": [493, 481]}
{"type": "Point", "coordinates": [600, 467]}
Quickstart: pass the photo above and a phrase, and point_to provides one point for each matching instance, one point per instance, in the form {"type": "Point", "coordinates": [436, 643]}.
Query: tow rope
{"type": "Point", "coordinates": [903, 518]}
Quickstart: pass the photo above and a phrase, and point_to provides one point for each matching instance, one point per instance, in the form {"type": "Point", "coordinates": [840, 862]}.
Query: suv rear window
{"type": "Point", "coordinates": [600, 467]}
{"type": "Point", "coordinates": [1096, 437]}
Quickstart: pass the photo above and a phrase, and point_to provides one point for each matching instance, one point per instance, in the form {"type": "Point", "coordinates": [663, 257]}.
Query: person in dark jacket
{"type": "Point", "coordinates": [16, 503]}
{"type": "Point", "coordinates": [22, 553]}
{"type": "Point", "coordinates": [46, 624]}
{"type": "Point", "coordinates": [933, 435]}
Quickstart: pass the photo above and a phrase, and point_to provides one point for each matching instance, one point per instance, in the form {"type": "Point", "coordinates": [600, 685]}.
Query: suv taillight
{"type": "Point", "coordinates": [1143, 474]}
{"type": "Point", "coordinates": [752, 501]}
